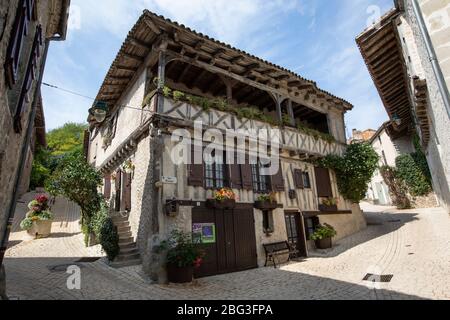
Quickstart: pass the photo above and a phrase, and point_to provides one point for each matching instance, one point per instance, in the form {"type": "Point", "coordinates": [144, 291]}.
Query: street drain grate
{"type": "Point", "coordinates": [378, 278]}
{"type": "Point", "coordinates": [88, 259]}
{"type": "Point", "coordinates": [395, 221]}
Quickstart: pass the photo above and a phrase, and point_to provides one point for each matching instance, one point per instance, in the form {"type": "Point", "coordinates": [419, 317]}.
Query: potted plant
{"type": "Point", "coordinates": [328, 205]}
{"type": "Point", "coordinates": [323, 236]}
{"type": "Point", "coordinates": [182, 257]}
{"type": "Point", "coordinates": [38, 221]}
{"type": "Point", "coordinates": [266, 202]}
{"type": "Point", "coordinates": [222, 199]}
{"type": "Point", "coordinates": [128, 166]}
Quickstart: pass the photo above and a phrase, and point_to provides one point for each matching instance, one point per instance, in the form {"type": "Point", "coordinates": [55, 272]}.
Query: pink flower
{"type": "Point", "coordinates": [42, 198]}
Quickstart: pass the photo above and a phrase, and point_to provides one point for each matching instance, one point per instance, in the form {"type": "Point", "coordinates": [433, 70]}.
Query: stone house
{"type": "Point", "coordinates": [407, 54]}
{"type": "Point", "coordinates": [145, 123]}
{"type": "Point", "coordinates": [26, 29]}
{"type": "Point", "coordinates": [388, 150]}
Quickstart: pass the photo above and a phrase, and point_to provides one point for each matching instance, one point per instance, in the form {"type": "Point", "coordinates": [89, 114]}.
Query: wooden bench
{"type": "Point", "coordinates": [274, 250]}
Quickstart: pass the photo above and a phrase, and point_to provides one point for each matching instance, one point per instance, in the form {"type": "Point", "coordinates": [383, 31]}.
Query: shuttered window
{"type": "Point", "coordinates": [261, 183]}
{"type": "Point", "coordinates": [323, 182]}
{"type": "Point", "coordinates": [235, 174]}
{"type": "Point", "coordinates": [195, 170]}
{"type": "Point", "coordinates": [306, 180]}
{"type": "Point", "coordinates": [278, 180]}
{"type": "Point", "coordinates": [118, 187]}
{"type": "Point", "coordinates": [107, 187]}
{"type": "Point", "coordinates": [216, 176]}
{"type": "Point", "coordinates": [298, 178]}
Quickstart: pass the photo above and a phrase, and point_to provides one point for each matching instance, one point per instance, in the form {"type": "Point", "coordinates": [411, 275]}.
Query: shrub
{"type": "Point", "coordinates": [182, 252]}
{"type": "Point", "coordinates": [397, 187]}
{"type": "Point", "coordinates": [410, 169]}
{"type": "Point", "coordinates": [109, 238]}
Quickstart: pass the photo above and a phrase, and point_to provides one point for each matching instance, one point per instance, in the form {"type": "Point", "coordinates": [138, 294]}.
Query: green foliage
{"type": "Point", "coordinates": [67, 139]}
{"type": "Point", "coordinates": [109, 238]}
{"type": "Point", "coordinates": [41, 170]}
{"type": "Point", "coordinates": [397, 187]}
{"type": "Point", "coordinates": [354, 170]}
{"type": "Point", "coordinates": [413, 170]}
{"type": "Point", "coordinates": [181, 251]}
{"type": "Point", "coordinates": [316, 134]}
{"type": "Point", "coordinates": [325, 231]}
{"type": "Point", "coordinates": [76, 180]}
{"type": "Point", "coordinates": [26, 224]}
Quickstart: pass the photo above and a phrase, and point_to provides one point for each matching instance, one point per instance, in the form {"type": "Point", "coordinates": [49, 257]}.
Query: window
{"type": "Point", "coordinates": [310, 226]}
{"type": "Point", "coordinates": [306, 180]}
{"type": "Point", "coordinates": [215, 173]}
{"type": "Point", "coordinates": [261, 183]}
{"type": "Point", "coordinates": [268, 221]}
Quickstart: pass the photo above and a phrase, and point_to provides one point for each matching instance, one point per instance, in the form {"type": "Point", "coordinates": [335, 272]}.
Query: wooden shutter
{"type": "Point", "coordinates": [246, 174]}
{"type": "Point", "coordinates": [298, 179]}
{"type": "Point", "coordinates": [126, 192]}
{"type": "Point", "coordinates": [235, 174]}
{"type": "Point", "coordinates": [86, 141]}
{"type": "Point", "coordinates": [278, 181]}
{"type": "Point", "coordinates": [323, 182]}
{"type": "Point", "coordinates": [118, 183]}
{"type": "Point", "coordinates": [107, 187]}
{"type": "Point", "coordinates": [195, 171]}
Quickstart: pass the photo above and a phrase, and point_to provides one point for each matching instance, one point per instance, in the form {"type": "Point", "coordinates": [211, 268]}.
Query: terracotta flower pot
{"type": "Point", "coordinates": [180, 275]}
{"type": "Point", "coordinates": [324, 243]}
{"type": "Point", "coordinates": [40, 229]}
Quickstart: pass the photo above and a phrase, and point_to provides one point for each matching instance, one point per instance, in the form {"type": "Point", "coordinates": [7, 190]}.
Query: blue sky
{"type": "Point", "coordinates": [314, 38]}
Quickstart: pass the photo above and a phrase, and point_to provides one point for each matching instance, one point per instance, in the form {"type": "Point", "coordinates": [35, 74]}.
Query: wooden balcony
{"type": "Point", "coordinates": [291, 139]}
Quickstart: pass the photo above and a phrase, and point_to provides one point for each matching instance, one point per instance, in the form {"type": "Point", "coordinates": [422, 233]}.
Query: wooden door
{"type": "Point", "coordinates": [295, 233]}
{"type": "Point", "coordinates": [235, 246]}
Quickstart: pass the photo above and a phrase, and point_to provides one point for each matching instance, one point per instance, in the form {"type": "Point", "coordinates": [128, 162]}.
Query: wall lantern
{"type": "Point", "coordinates": [396, 119]}
{"type": "Point", "coordinates": [100, 110]}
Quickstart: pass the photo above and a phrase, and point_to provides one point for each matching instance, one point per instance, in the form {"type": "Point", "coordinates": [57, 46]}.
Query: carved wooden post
{"type": "Point", "coordinates": [291, 113]}
{"type": "Point", "coordinates": [161, 76]}
{"type": "Point", "coordinates": [229, 83]}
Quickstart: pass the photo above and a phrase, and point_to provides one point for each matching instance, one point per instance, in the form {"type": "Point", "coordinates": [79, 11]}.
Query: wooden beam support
{"type": "Point", "coordinates": [139, 43]}
{"type": "Point", "coordinates": [152, 26]}
{"type": "Point", "coordinates": [133, 57]}
{"type": "Point", "coordinates": [126, 68]}
{"type": "Point", "coordinates": [291, 112]}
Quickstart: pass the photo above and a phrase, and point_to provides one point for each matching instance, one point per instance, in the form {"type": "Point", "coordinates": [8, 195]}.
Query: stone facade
{"type": "Point", "coordinates": [436, 14]}
{"type": "Point", "coordinates": [52, 16]}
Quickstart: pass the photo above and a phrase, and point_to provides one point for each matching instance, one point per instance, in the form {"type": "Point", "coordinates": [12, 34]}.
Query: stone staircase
{"type": "Point", "coordinates": [129, 252]}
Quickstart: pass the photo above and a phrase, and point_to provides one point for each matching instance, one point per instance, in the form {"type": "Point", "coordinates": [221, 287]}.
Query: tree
{"type": "Point", "coordinates": [66, 139]}
{"type": "Point", "coordinates": [76, 180]}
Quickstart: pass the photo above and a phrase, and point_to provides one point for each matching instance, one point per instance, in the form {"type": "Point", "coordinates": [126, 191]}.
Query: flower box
{"type": "Point", "coordinates": [326, 208]}
{"type": "Point", "coordinates": [266, 205]}
{"type": "Point", "coordinates": [324, 243]}
{"type": "Point", "coordinates": [221, 204]}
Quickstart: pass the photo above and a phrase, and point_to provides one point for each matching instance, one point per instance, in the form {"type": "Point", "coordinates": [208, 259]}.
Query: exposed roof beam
{"type": "Point", "coordinates": [152, 26]}
{"type": "Point", "coordinates": [139, 43]}
{"type": "Point", "coordinates": [133, 57]}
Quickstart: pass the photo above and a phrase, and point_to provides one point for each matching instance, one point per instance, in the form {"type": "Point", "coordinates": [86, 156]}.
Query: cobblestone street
{"type": "Point", "coordinates": [412, 245]}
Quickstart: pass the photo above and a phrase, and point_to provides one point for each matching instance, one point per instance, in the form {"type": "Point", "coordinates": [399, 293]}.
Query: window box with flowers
{"type": "Point", "coordinates": [38, 221]}
{"type": "Point", "coordinates": [329, 205]}
{"type": "Point", "coordinates": [182, 257]}
{"type": "Point", "coordinates": [223, 199]}
{"type": "Point", "coordinates": [266, 202]}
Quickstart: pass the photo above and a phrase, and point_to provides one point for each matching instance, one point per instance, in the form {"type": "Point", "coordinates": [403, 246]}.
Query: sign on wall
{"type": "Point", "coordinates": [204, 233]}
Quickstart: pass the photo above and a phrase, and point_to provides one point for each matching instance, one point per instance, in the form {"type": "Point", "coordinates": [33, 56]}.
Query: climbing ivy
{"type": "Point", "coordinates": [354, 170]}
{"type": "Point", "coordinates": [410, 168]}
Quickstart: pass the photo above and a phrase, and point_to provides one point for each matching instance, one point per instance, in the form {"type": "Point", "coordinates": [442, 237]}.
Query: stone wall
{"type": "Point", "coordinates": [436, 15]}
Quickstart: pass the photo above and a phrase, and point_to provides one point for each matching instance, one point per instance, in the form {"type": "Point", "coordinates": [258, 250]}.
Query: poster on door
{"type": "Point", "coordinates": [204, 233]}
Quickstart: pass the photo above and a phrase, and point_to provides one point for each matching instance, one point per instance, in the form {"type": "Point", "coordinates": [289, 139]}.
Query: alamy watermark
{"type": "Point", "coordinates": [263, 147]}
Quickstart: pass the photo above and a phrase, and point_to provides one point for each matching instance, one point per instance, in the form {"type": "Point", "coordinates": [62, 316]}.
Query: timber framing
{"type": "Point", "coordinates": [381, 49]}
{"type": "Point", "coordinates": [153, 34]}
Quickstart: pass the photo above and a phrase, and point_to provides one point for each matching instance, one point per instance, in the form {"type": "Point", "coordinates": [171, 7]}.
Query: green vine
{"type": "Point", "coordinates": [241, 111]}
{"type": "Point", "coordinates": [397, 187]}
{"type": "Point", "coordinates": [354, 170]}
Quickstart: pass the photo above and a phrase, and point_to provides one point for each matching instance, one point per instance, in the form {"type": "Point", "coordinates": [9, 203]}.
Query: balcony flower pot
{"type": "Point", "coordinates": [177, 274]}
{"type": "Point", "coordinates": [265, 205]}
{"type": "Point", "coordinates": [225, 204]}
{"type": "Point", "coordinates": [324, 243]}
{"type": "Point", "coordinates": [328, 208]}
{"type": "Point", "coordinates": [40, 229]}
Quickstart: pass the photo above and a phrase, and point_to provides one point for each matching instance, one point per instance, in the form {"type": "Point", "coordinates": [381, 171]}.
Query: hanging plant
{"type": "Point", "coordinates": [128, 166]}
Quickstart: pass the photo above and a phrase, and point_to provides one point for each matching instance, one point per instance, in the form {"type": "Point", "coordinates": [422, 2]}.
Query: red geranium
{"type": "Point", "coordinates": [42, 199]}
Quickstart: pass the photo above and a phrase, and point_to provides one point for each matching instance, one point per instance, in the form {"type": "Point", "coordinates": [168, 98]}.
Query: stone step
{"type": "Point", "coordinates": [127, 234]}
{"type": "Point", "coordinates": [122, 224]}
{"type": "Point", "coordinates": [119, 218]}
{"type": "Point", "coordinates": [123, 264]}
{"type": "Point", "coordinates": [126, 257]}
{"type": "Point", "coordinates": [127, 245]}
{"type": "Point", "coordinates": [125, 240]}
{"type": "Point", "coordinates": [125, 229]}
{"type": "Point", "coordinates": [128, 251]}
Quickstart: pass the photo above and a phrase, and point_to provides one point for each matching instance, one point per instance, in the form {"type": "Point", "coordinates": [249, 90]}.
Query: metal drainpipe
{"type": "Point", "coordinates": [23, 156]}
{"type": "Point", "coordinates": [432, 56]}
